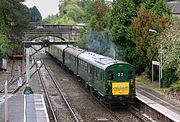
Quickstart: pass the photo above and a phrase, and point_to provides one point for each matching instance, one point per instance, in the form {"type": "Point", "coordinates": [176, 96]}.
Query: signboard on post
{"type": "Point", "coordinates": [157, 64]}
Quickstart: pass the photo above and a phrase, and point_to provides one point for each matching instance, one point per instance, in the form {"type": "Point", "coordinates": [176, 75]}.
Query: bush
{"type": "Point", "coordinates": [170, 75]}
{"type": "Point", "coordinates": [175, 87]}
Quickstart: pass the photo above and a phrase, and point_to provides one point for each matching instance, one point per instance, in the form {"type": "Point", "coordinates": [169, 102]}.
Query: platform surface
{"type": "Point", "coordinates": [24, 108]}
{"type": "Point", "coordinates": [175, 116]}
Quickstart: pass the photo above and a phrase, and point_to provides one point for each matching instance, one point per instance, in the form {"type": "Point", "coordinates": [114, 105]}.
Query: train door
{"type": "Point", "coordinates": [92, 75]}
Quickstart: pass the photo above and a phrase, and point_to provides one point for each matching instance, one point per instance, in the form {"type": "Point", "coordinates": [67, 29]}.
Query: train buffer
{"type": "Point", "coordinates": [25, 108]}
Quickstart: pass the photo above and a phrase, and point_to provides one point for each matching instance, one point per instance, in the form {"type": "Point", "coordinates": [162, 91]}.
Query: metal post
{"type": "Point", "coordinates": [6, 103]}
{"type": "Point", "coordinates": [27, 66]}
{"type": "Point", "coordinates": [21, 67]}
{"type": "Point", "coordinates": [152, 74]}
{"type": "Point", "coordinates": [114, 54]}
{"type": "Point", "coordinates": [4, 66]}
{"type": "Point", "coordinates": [161, 61]}
{"type": "Point", "coordinates": [159, 76]}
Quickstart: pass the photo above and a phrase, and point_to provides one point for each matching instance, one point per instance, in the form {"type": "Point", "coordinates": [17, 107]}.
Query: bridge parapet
{"type": "Point", "coordinates": [64, 32]}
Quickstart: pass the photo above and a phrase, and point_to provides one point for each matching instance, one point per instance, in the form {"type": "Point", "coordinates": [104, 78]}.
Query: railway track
{"type": "Point", "coordinates": [15, 74]}
{"type": "Point", "coordinates": [74, 114]}
{"type": "Point", "coordinates": [112, 115]}
{"type": "Point", "coordinates": [84, 103]}
{"type": "Point", "coordinates": [13, 81]}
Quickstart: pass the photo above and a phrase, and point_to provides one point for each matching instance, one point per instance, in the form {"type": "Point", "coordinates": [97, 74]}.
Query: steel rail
{"type": "Point", "coordinates": [12, 80]}
{"type": "Point", "coordinates": [46, 92]}
{"type": "Point", "coordinates": [63, 96]}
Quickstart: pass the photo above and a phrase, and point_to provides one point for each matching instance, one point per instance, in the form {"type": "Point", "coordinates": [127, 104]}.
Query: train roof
{"type": "Point", "coordinates": [61, 47]}
{"type": "Point", "coordinates": [75, 51]}
{"type": "Point", "coordinates": [99, 61]}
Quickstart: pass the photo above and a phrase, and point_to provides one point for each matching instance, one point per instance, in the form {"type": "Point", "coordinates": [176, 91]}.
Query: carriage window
{"type": "Point", "coordinates": [120, 74]}
{"type": "Point", "coordinates": [110, 75]}
{"type": "Point", "coordinates": [129, 75]}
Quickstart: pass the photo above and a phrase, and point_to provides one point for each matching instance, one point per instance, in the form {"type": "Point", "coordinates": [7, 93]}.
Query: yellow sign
{"type": "Point", "coordinates": [120, 88]}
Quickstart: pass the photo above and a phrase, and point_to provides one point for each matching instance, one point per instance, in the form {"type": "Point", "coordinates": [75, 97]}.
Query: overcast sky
{"type": "Point", "coordinates": [46, 7]}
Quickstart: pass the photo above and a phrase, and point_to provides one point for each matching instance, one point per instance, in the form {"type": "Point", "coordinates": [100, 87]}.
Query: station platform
{"type": "Point", "coordinates": [24, 108]}
{"type": "Point", "coordinates": [159, 103]}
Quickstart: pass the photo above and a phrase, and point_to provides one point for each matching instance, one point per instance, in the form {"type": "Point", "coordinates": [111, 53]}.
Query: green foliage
{"type": "Point", "coordinates": [15, 19]}
{"type": "Point", "coordinates": [34, 15]}
{"type": "Point", "coordinates": [99, 16]}
{"type": "Point", "coordinates": [95, 36]}
{"type": "Point", "coordinates": [13, 16]}
{"type": "Point", "coordinates": [89, 10]}
{"type": "Point", "coordinates": [146, 41]}
{"type": "Point", "coordinates": [123, 11]}
{"type": "Point", "coordinates": [64, 20]}
{"type": "Point", "coordinates": [169, 74]}
{"type": "Point", "coordinates": [170, 46]}
{"type": "Point", "coordinates": [51, 19]}
{"type": "Point", "coordinates": [121, 16]}
{"type": "Point", "coordinates": [175, 87]}
{"type": "Point", "coordinates": [3, 39]}
{"type": "Point", "coordinates": [3, 46]}
{"type": "Point", "coordinates": [70, 12]}
{"type": "Point", "coordinates": [74, 12]}
{"type": "Point", "coordinates": [161, 8]}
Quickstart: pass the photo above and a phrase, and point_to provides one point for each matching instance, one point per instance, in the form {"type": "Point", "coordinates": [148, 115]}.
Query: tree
{"type": "Point", "coordinates": [94, 35]}
{"type": "Point", "coordinates": [3, 39]}
{"type": "Point", "coordinates": [70, 12]}
{"type": "Point", "coordinates": [34, 15]}
{"type": "Point", "coordinates": [146, 42]}
{"type": "Point", "coordinates": [121, 16]}
{"type": "Point", "coordinates": [170, 42]}
{"type": "Point", "coordinates": [15, 19]}
{"type": "Point", "coordinates": [3, 46]}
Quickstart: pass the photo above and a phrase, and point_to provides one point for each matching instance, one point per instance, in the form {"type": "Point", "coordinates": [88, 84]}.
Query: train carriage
{"type": "Point", "coordinates": [57, 51]}
{"type": "Point", "coordinates": [112, 79]}
{"type": "Point", "coordinates": [71, 58]}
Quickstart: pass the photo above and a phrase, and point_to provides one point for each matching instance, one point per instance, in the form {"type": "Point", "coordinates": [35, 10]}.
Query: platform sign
{"type": "Point", "coordinates": [155, 63]}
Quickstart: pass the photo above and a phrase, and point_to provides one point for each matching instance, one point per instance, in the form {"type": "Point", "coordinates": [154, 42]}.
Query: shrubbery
{"type": "Point", "coordinates": [175, 87]}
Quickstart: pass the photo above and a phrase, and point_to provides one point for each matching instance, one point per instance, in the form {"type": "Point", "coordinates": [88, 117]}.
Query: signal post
{"type": "Point", "coordinates": [28, 45]}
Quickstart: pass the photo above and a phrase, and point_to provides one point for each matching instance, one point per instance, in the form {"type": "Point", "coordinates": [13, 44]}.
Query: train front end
{"type": "Point", "coordinates": [120, 83]}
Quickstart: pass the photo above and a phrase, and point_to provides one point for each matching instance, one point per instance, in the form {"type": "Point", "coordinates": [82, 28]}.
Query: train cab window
{"type": "Point", "coordinates": [120, 74]}
{"type": "Point", "coordinates": [110, 75]}
{"type": "Point", "coordinates": [129, 75]}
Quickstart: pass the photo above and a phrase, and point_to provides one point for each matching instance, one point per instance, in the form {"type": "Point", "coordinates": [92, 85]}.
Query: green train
{"type": "Point", "coordinates": [112, 80]}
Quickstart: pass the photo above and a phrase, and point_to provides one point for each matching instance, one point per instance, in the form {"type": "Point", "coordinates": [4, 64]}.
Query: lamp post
{"type": "Point", "coordinates": [160, 65]}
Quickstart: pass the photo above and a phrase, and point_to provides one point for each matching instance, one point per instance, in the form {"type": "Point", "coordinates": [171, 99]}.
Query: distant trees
{"type": "Point", "coordinates": [70, 12]}
{"type": "Point", "coordinates": [34, 15]}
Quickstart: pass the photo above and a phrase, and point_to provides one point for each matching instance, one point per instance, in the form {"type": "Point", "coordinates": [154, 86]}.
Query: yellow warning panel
{"type": "Point", "coordinates": [120, 88]}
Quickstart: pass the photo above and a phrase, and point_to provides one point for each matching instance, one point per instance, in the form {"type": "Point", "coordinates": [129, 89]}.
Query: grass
{"type": "Point", "coordinates": [143, 80]}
